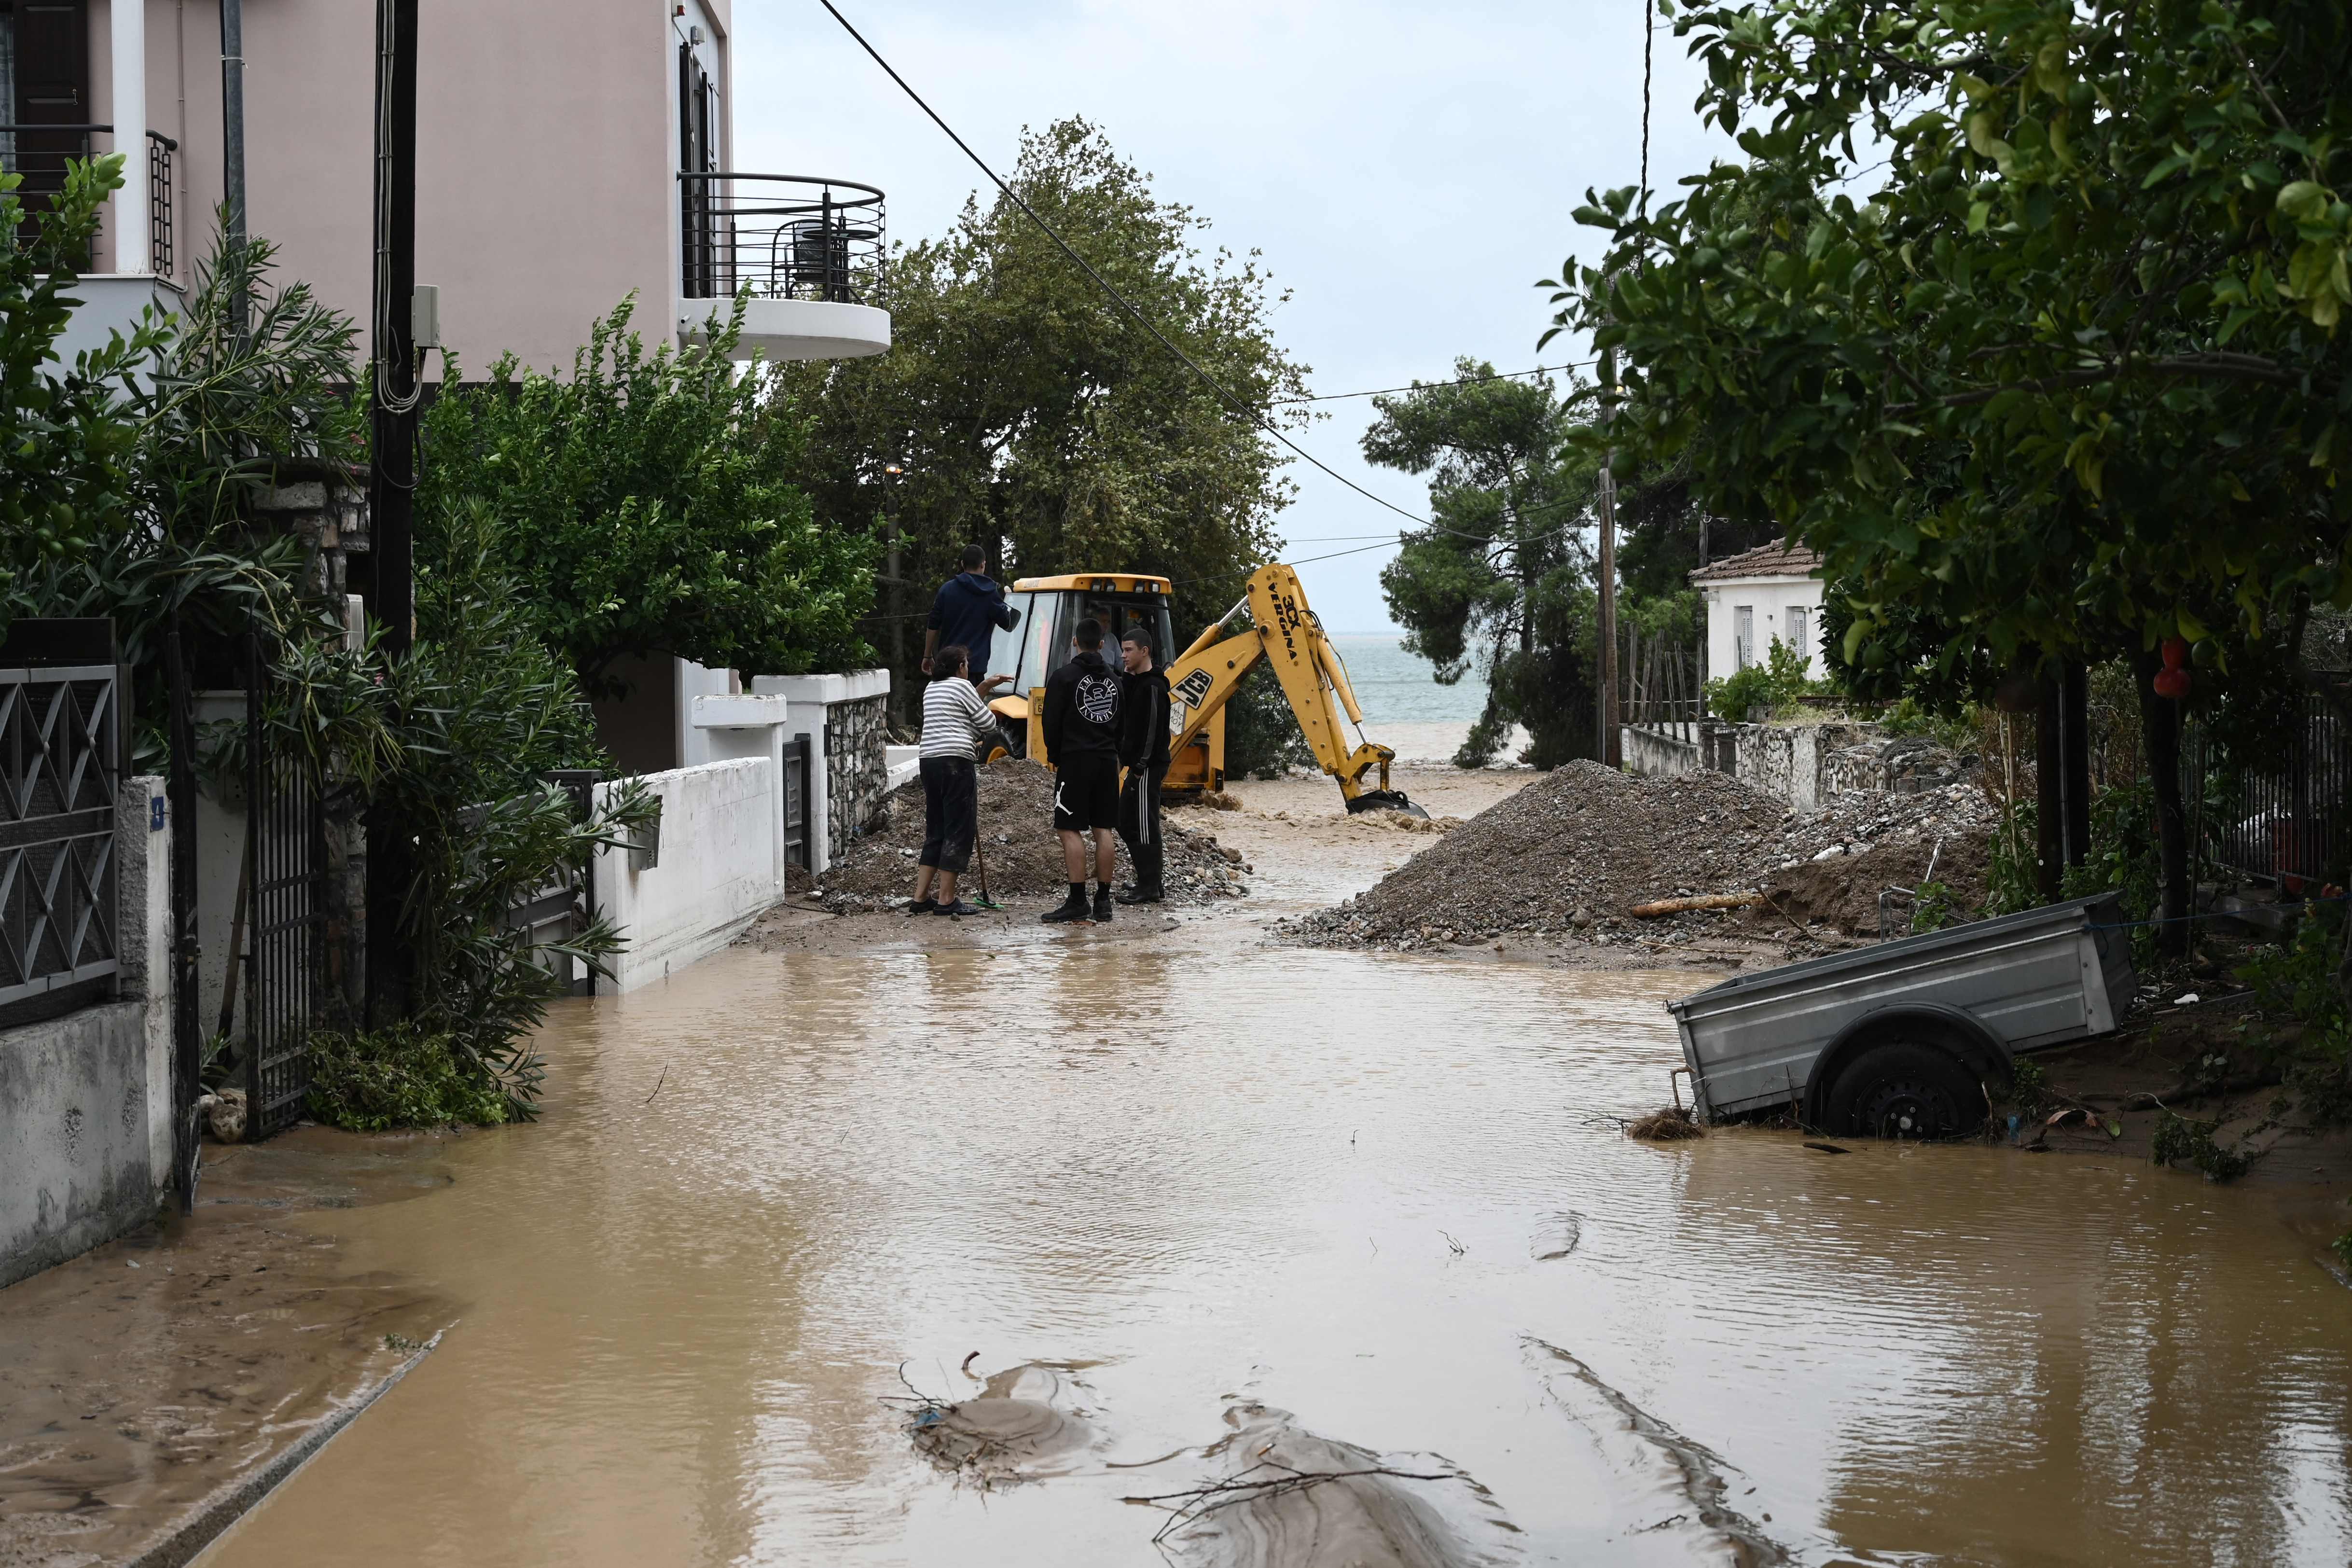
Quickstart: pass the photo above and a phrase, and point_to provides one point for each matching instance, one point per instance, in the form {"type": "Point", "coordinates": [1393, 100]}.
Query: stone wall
{"type": "Point", "coordinates": [858, 766]}
{"type": "Point", "coordinates": [1791, 760]}
{"type": "Point", "coordinates": [845, 718]}
{"type": "Point", "coordinates": [1904, 764]}
{"type": "Point", "coordinates": [323, 504]}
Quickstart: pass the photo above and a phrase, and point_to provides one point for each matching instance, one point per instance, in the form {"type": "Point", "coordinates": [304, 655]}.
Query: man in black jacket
{"type": "Point", "coordinates": [1143, 748]}
{"type": "Point", "coordinates": [1081, 726]}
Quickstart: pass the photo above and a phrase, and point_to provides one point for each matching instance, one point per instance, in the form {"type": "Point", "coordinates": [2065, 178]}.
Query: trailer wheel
{"type": "Point", "coordinates": [1905, 1090]}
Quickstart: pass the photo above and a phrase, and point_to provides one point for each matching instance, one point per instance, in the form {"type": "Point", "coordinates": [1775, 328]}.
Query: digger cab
{"type": "Point", "coordinates": [1051, 609]}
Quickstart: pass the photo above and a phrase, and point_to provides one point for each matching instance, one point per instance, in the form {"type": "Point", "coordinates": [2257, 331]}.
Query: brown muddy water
{"type": "Point", "coordinates": [1140, 1216]}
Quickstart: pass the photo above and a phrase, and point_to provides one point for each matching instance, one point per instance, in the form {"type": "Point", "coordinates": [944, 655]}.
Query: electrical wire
{"type": "Point", "coordinates": [1424, 385]}
{"type": "Point", "coordinates": [1649, 30]}
{"type": "Point", "coordinates": [391, 402]}
{"type": "Point", "coordinates": [1238, 405]}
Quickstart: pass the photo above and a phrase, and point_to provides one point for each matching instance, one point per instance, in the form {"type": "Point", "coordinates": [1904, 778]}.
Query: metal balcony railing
{"type": "Point", "coordinates": [782, 236]}
{"type": "Point", "coordinates": [40, 153]}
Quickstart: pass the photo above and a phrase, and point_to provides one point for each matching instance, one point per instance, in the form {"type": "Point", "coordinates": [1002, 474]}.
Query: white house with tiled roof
{"type": "Point", "coordinates": [1758, 597]}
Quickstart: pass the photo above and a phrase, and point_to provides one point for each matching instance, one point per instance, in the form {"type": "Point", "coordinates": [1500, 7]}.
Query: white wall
{"type": "Point", "coordinates": [718, 869]}
{"type": "Point", "coordinates": [1771, 598]}
{"type": "Point", "coordinates": [85, 1098]}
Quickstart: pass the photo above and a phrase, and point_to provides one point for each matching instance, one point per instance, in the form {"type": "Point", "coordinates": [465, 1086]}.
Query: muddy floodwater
{"type": "Point", "coordinates": [1151, 1213]}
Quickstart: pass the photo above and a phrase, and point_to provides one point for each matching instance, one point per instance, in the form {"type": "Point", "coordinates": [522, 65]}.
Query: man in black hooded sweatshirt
{"type": "Point", "coordinates": [1081, 732]}
{"type": "Point", "coordinates": [1143, 749]}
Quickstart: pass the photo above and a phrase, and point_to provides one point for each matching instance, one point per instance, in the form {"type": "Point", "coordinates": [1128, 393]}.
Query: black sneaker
{"type": "Point", "coordinates": [959, 910]}
{"type": "Point", "coordinates": [1073, 908]}
{"type": "Point", "coordinates": [1151, 895]}
{"type": "Point", "coordinates": [923, 907]}
{"type": "Point", "coordinates": [1102, 906]}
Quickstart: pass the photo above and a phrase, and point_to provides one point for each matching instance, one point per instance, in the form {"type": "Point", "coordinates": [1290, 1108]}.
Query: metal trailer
{"type": "Point", "coordinates": [1901, 1039]}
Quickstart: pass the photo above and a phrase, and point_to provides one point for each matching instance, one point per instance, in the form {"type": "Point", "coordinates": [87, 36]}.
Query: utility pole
{"type": "Point", "coordinates": [231, 25]}
{"type": "Point", "coordinates": [1611, 747]}
{"type": "Point", "coordinates": [391, 475]}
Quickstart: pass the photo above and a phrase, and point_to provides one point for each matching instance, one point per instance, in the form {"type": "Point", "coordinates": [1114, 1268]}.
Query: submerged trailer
{"type": "Point", "coordinates": [1901, 1039]}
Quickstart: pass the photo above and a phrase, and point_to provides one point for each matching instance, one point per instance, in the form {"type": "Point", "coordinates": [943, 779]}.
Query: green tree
{"type": "Point", "coordinates": [2023, 313]}
{"type": "Point", "coordinates": [1502, 579]}
{"type": "Point", "coordinates": [648, 504]}
{"type": "Point", "coordinates": [1028, 414]}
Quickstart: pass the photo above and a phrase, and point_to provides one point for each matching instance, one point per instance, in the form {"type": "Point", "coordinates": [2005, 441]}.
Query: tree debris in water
{"type": "Point", "coordinates": [1667, 1124]}
{"type": "Point", "coordinates": [1291, 1499]}
{"type": "Point", "coordinates": [1022, 1424]}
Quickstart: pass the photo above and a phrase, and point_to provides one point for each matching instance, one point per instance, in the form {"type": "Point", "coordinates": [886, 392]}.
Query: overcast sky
{"type": "Point", "coordinates": [1407, 172]}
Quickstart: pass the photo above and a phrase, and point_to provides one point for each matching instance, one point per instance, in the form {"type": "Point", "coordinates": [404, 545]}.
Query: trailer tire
{"type": "Point", "coordinates": [1903, 1089]}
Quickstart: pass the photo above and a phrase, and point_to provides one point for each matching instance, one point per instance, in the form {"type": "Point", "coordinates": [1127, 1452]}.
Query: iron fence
{"type": "Point", "coordinates": [2282, 812]}
{"type": "Point", "coordinates": [61, 758]}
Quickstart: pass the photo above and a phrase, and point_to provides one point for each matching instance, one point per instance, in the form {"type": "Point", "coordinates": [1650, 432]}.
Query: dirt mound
{"type": "Point", "coordinates": [1016, 837]}
{"type": "Point", "coordinates": [1576, 848]}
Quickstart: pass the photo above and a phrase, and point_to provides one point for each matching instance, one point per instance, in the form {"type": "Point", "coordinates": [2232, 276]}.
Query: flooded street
{"type": "Point", "coordinates": [1204, 1188]}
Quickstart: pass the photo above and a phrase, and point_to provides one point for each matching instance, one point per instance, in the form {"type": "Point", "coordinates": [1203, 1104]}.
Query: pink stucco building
{"type": "Point", "coordinates": [571, 153]}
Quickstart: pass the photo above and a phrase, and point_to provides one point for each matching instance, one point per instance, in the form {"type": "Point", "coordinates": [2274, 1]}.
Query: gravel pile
{"type": "Point", "coordinates": [1016, 835]}
{"type": "Point", "coordinates": [1576, 848]}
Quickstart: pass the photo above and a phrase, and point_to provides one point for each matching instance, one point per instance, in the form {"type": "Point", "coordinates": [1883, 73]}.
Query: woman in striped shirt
{"type": "Point", "coordinates": [956, 724]}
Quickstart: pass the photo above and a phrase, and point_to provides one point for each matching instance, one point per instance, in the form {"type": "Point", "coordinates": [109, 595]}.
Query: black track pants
{"type": "Point", "coordinates": [951, 813]}
{"type": "Point", "coordinates": [1139, 822]}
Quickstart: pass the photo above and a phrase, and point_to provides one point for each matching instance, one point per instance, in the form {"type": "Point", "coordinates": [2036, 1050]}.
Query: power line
{"type": "Point", "coordinates": [1424, 385]}
{"type": "Point", "coordinates": [1239, 407]}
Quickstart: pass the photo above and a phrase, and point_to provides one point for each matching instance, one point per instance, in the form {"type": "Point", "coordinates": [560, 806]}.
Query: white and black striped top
{"type": "Point", "coordinates": [955, 719]}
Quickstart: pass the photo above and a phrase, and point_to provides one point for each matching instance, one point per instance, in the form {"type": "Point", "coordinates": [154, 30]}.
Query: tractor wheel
{"type": "Point", "coordinates": [1904, 1090]}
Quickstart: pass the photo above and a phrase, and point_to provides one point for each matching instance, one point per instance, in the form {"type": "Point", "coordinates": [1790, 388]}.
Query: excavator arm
{"type": "Point", "coordinates": [1283, 632]}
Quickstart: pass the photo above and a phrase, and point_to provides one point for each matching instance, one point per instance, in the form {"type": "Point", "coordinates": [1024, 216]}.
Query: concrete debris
{"type": "Point", "coordinates": [1572, 854]}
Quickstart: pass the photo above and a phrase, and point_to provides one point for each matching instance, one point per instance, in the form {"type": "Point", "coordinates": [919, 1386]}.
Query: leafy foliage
{"type": "Point", "coordinates": [65, 450]}
{"type": "Point", "coordinates": [404, 1076]}
{"type": "Point", "coordinates": [1502, 579]}
{"type": "Point", "coordinates": [1028, 414]}
{"type": "Point", "coordinates": [1771, 688]}
{"type": "Point", "coordinates": [2067, 375]}
{"type": "Point", "coordinates": [648, 502]}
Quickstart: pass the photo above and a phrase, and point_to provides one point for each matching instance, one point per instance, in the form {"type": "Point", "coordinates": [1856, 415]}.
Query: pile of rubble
{"type": "Point", "coordinates": [1023, 854]}
{"type": "Point", "coordinates": [1575, 850]}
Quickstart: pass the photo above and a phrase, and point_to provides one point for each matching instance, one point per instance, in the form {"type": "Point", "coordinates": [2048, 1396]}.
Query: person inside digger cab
{"type": "Point", "coordinates": [1081, 732]}
{"type": "Point", "coordinates": [967, 612]}
{"type": "Point", "coordinates": [955, 722]}
{"type": "Point", "coordinates": [1143, 751]}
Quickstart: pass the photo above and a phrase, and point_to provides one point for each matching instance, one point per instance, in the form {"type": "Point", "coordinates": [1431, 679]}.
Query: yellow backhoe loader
{"type": "Point", "coordinates": [1201, 679]}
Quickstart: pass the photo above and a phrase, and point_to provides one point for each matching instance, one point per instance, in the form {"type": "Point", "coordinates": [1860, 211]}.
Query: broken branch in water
{"type": "Point", "coordinates": [1198, 1502]}
{"type": "Point", "coordinates": [658, 1082]}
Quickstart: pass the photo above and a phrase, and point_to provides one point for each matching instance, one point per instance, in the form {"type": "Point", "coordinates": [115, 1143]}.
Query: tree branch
{"type": "Point", "coordinates": [2210, 366]}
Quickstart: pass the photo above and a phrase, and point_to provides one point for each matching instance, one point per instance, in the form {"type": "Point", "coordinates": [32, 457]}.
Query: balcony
{"type": "Point", "coordinates": [111, 302]}
{"type": "Point", "coordinates": [806, 252]}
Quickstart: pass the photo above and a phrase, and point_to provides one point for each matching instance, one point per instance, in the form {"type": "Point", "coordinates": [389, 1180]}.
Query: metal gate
{"type": "Point", "coordinates": [285, 863]}
{"type": "Point", "coordinates": [796, 792]}
{"type": "Point", "coordinates": [61, 751]}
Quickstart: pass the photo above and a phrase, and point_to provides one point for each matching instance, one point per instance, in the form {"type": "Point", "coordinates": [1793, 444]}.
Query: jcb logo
{"type": "Point", "coordinates": [1192, 688]}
